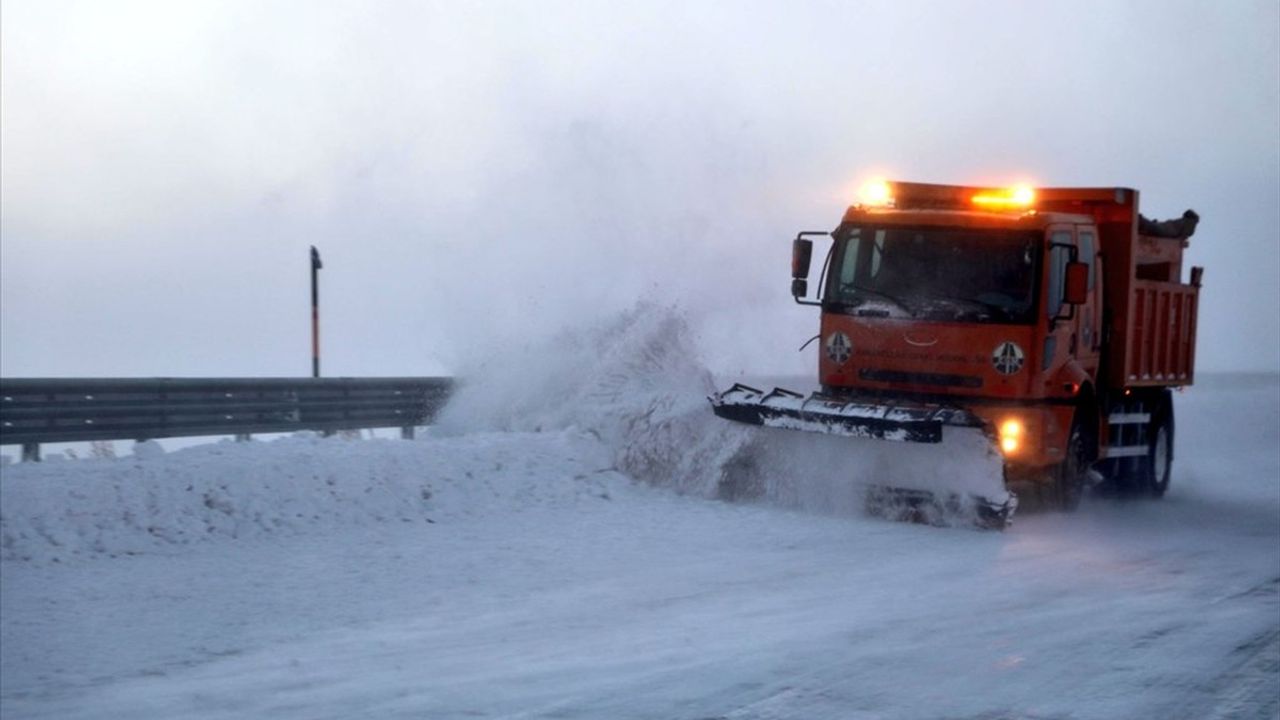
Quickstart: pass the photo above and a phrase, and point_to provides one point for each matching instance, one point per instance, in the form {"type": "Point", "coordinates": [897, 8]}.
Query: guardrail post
{"type": "Point", "coordinates": [406, 432]}
{"type": "Point", "coordinates": [30, 452]}
{"type": "Point", "coordinates": [243, 437]}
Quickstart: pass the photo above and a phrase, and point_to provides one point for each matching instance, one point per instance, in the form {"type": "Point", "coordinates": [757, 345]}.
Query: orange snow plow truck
{"type": "Point", "coordinates": [1055, 321]}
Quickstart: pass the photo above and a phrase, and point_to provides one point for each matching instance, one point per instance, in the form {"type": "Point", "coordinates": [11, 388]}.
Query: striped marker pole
{"type": "Point", "coordinates": [315, 312]}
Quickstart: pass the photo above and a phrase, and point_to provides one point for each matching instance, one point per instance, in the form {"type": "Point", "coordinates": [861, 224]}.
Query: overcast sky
{"type": "Point", "coordinates": [477, 175]}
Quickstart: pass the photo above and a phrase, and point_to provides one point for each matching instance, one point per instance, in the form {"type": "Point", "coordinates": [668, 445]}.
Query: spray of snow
{"type": "Point", "coordinates": [633, 382]}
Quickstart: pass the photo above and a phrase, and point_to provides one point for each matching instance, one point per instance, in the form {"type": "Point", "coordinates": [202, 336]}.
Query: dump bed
{"type": "Point", "coordinates": [1151, 313]}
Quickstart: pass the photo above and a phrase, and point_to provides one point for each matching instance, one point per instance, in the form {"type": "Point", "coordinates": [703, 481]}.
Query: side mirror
{"type": "Point", "coordinates": [801, 253]}
{"type": "Point", "coordinates": [1077, 285]}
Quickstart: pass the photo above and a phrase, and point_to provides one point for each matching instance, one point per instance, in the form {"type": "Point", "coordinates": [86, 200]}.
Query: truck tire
{"type": "Point", "coordinates": [1159, 466]}
{"type": "Point", "coordinates": [1072, 473]}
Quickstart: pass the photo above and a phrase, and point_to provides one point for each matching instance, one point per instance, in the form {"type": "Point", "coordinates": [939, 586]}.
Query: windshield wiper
{"type": "Point", "coordinates": [973, 303]}
{"type": "Point", "coordinates": [880, 294]}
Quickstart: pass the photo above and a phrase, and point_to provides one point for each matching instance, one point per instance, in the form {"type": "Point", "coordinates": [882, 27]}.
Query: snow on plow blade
{"type": "Point", "coordinates": [961, 482]}
{"type": "Point", "coordinates": [822, 413]}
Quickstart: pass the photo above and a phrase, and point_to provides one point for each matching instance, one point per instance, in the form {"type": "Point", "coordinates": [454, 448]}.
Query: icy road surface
{"type": "Point", "coordinates": [533, 559]}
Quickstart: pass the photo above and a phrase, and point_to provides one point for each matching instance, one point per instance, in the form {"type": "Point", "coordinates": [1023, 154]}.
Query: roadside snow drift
{"type": "Point", "coordinates": [57, 511]}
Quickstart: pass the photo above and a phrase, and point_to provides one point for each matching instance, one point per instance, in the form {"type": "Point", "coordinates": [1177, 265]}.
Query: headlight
{"type": "Point", "coordinates": [1011, 432]}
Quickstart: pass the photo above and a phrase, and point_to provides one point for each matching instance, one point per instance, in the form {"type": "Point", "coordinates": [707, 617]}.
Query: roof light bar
{"type": "Point", "coordinates": [1019, 196]}
{"type": "Point", "coordinates": [876, 193]}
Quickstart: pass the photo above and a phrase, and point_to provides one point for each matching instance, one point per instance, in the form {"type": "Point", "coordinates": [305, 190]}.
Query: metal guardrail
{"type": "Point", "coordinates": [44, 410]}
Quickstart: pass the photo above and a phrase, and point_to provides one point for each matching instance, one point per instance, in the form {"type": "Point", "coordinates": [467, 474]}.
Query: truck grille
{"type": "Point", "coordinates": [912, 378]}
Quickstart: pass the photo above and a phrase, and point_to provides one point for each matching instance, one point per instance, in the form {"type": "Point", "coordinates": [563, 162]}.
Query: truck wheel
{"type": "Point", "coordinates": [1073, 472]}
{"type": "Point", "coordinates": [1160, 456]}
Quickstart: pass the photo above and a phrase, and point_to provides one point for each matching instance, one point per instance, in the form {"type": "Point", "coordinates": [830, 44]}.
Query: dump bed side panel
{"type": "Point", "coordinates": [1162, 335]}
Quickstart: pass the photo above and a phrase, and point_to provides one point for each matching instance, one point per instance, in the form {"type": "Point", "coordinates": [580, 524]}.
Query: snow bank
{"type": "Point", "coordinates": [150, 502]}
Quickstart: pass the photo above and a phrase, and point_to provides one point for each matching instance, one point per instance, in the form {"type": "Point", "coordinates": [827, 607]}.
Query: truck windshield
{"type": "Point", "coordinates": [959, 275]}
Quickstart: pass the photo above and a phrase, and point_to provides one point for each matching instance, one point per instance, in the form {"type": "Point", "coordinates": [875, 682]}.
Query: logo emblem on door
{"type": "Point", "coordinates": [1007, 358]}
{"type": "Point", "coordinates": [838, 347]}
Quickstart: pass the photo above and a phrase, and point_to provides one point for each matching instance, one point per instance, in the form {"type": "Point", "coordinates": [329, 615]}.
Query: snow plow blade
{"type": "Point", "coordinates": [826, 414]}
{"type": "Point", "coordinates": [992, 508]}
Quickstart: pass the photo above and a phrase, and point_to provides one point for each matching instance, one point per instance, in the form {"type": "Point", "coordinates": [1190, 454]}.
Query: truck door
{"type": "Point", "coordinates": [1062, 340]}
{"type": "Point", "coordinates": [1089, 327]}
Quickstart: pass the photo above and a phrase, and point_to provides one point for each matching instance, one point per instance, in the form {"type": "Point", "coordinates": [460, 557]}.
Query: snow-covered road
{"type": "Point", "coordinates": [652, 606]}
{"type": "Point", "coordinates": [522, 574]}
